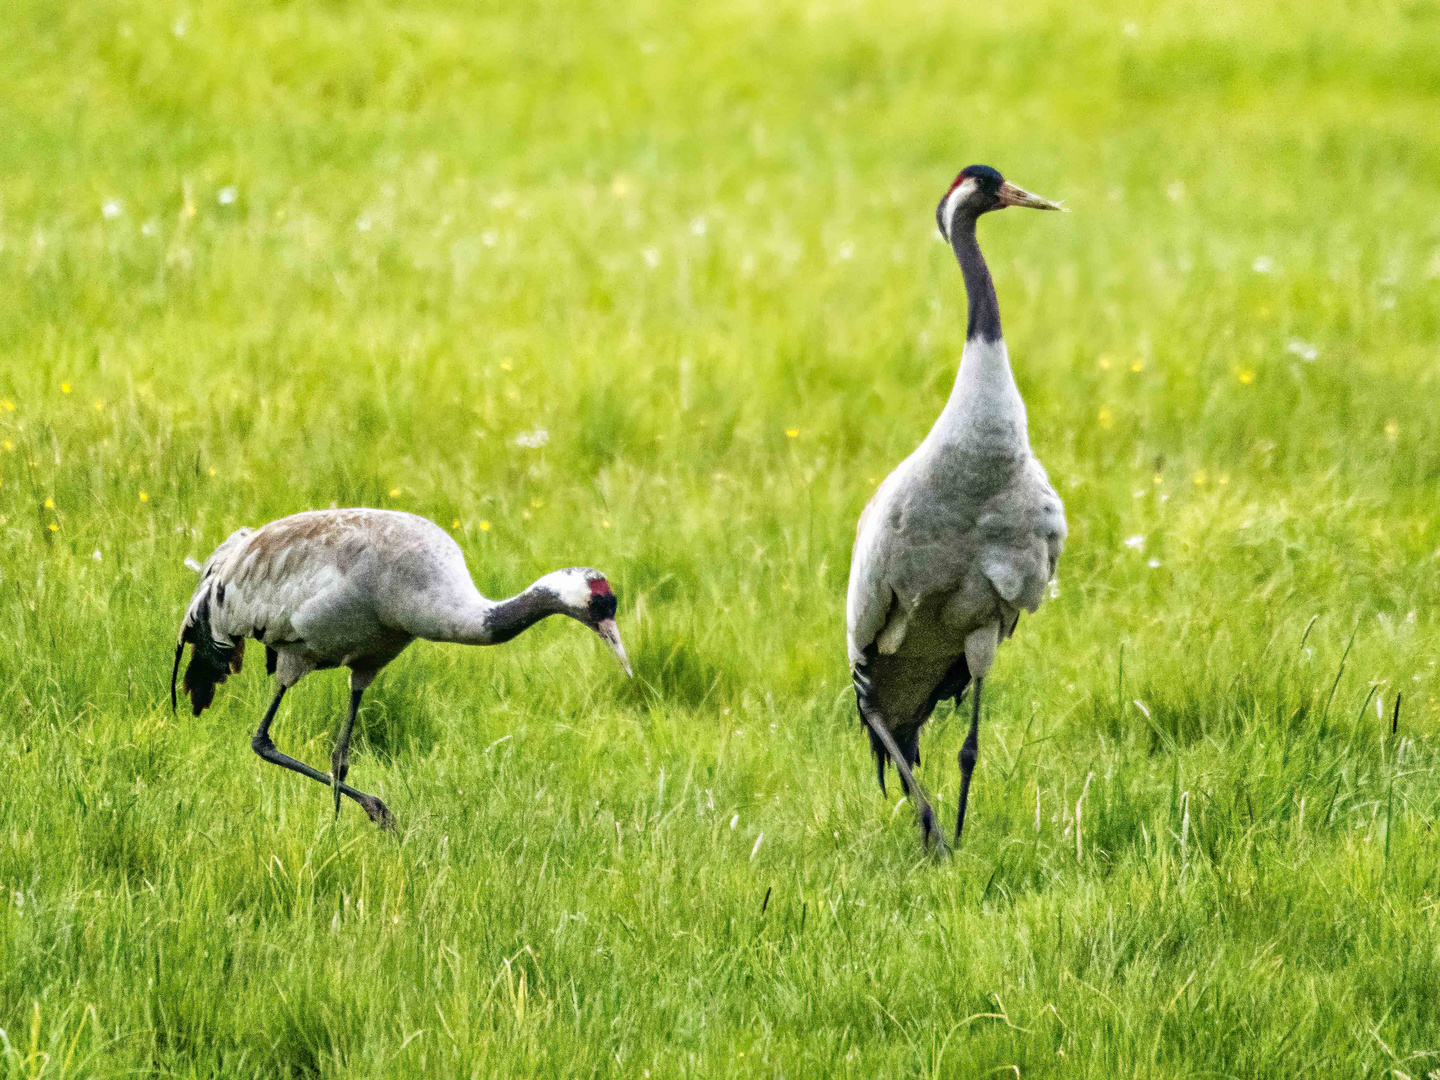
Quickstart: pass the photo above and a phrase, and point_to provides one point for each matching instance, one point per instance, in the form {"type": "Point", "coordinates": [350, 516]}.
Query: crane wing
{"type": "Point", "coordinates": [869, 599]}
{"type": "Point", "coordinates": [252, 586]}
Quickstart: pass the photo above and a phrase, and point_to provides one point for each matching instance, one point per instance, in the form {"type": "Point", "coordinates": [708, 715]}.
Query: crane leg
{"type": "Point", "coordinates": [262, 745]}
{"type": "Point", "coordinates": [969, 751]}
{"type": "Point", "coordinates": [929, 829]}
{"type": "Point", "coordinates": [340, 758]}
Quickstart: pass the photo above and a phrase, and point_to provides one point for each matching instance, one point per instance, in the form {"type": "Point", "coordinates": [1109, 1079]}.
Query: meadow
{"type": "Point", "coordinates": [656, 287]}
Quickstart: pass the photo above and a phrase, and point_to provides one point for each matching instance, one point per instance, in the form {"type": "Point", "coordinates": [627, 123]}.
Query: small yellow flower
{"type": "Point", "coordinates": [1157, 478]}
{"type": "Point", "coordinates": [7, 405]}
{"type": "Point", "coordinates": [792, 432]}
{"type": "Point", "coordinates": [212, 470]}
{"type": "Point", "coordinates": [524, 515]}
{"type": "Point", "coordinates": [1106, 418]}
{"type": "Point", "coordinates": [1392, 430]}
{"type": "Point", "coordinates": [1137, 366]}
{"type": "Point", "coordinates": [64, 387]}
{"type": "Point", "coordinates": [537, 503]}
{"type": "Point", "coordinates": [455, 524]}
{"type": "Point", "coordinates": [604, 523]}
{"type": "Point", "coordinates": [1200, 478]}
{"type": "Point", "coordinates": [620, 186]}
{"type": "Point", "coordinates": [1105, 362]}
{"type": "Point", "coordinates": [394, 493]}
{"type": "Point", "coordinates": [9, 445]}
{"type": "Point", "coordinates": [99, 405]}
{"type": "Point", "coordinates": [1224, 478]}
{"type": "Point", "coordinates": [144, 497]}
{"type": "Point", "coordinates": [507, 364]}
{"type": "Point", "coordinates": [54, 527]}
{"type": "Point", "coordinates": [1245, 375]}
{"type": "Point", "coordinates": [484, 526]}
{"type": "Point", "coordinates": [49, 504]}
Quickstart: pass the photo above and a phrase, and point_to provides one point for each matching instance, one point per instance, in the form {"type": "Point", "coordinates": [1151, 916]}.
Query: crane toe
{"type": "Point", "coordinates": [379, 813]}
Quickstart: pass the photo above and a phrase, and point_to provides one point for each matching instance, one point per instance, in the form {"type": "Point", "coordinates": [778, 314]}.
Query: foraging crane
{"type": "Point", "coordinates": [962, 536]}
{"type": "Point", "coordinates": [353, 588]}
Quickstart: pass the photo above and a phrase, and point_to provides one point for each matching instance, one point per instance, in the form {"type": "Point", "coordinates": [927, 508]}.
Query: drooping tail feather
{"type": "Point", "coordinates": [174, 671]}
{"type": "Point", "coordinates": [213, 658]}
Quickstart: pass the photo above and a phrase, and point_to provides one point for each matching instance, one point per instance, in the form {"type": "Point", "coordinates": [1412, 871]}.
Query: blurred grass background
{"type": "Point", "coordinates": [262, 257]}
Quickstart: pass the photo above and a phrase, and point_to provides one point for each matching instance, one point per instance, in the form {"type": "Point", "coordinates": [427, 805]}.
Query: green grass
{"type": "Point", "coordinates": [667, 233]}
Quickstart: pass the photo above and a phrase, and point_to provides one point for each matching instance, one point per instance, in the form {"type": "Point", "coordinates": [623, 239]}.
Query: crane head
{"type": "Point", "coordinates": [585, 595]}
{"type": "Point", "coordinates": [979, 189]}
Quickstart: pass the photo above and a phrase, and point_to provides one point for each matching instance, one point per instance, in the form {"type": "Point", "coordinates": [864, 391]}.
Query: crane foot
{"type": "Point", "coordinates": [931, 834]}
{"type": "Point", "coordinates": [379, 813]}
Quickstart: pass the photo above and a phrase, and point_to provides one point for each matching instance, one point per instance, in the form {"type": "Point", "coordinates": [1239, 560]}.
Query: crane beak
{"type": "Point", "coordinates": [1010, 195]}
{"type": "Point", "coordinates": [610, 634]}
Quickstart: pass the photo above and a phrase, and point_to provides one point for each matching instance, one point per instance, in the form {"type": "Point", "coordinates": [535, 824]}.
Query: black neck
{"type": "Point", "coordinates": [984, 324]}
{"type": "Point", "coordinates": [519, 613]}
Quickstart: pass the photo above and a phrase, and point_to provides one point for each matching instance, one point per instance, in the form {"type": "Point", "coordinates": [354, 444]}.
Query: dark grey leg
{"type": "Point", "coordinates": [340, 758]}
{"type": "Point", "coordinates": [262, 745]}
{"type": "Point", "coordinates": [969, 751]}
{"type": "Point", "coordinates": [929, 828]}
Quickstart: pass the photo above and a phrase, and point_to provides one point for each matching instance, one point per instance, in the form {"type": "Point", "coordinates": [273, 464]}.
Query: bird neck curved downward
{"type": "Point", "coordinates": [984, 322]}
{"type": "Point", "coordinates": [504, 619]}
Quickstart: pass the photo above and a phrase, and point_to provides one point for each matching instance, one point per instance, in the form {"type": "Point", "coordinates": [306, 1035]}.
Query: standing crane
{"type": "Point", "coordinates": [962, 536]}
{"type": "Point", "coordinates": [353, 588]}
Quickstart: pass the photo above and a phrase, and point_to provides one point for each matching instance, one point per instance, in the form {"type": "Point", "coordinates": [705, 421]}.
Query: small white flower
{"type": "Point", "coordinates": [489, 237]}
{"type": "Point", "coordinates": [111, 209]}
{"type": "Point", "coordinates": [1130, 28]}
{"type": "Point", "coordinates": [179, 28]}
{"type": "Point", "coordinates": [150, 228]}
{"type": "Point", "coordinates": [652, 257]}
{"type": "Point", "coordinates": [1136, 542]}
{"type": "Point", "coordinates": [1176, 191]}
{"type": "Point", "coordinates": [1302, 349]}
{"type": "Point", "coordinates": [532, 440]}
{"type": "Point", "coordinates": [698, 226]}
{"type": "Point", "coordinates": [226, 196]}
{"type": "Point", "coordinates": [1263, 264]}
{"type": "Point", "coordinates": [1154, 564]}
{"type": "Point", "coordinates": [97, 556]}
{"type": "Point", "coordinates": [847, 250]}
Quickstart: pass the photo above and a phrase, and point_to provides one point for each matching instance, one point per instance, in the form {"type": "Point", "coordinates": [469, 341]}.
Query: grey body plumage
{"type": "Point", "coordinates": [961, 538]}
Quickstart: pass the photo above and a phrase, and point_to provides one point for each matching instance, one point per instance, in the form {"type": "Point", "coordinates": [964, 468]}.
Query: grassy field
{"type": "Point", "coordinates": [256, 258]}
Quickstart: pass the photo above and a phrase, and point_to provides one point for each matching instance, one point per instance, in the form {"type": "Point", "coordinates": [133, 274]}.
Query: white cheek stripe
{"type": "Point", "coordinates": [953, 200]}
{"type": "Point", "coordinates": [575, 591]}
